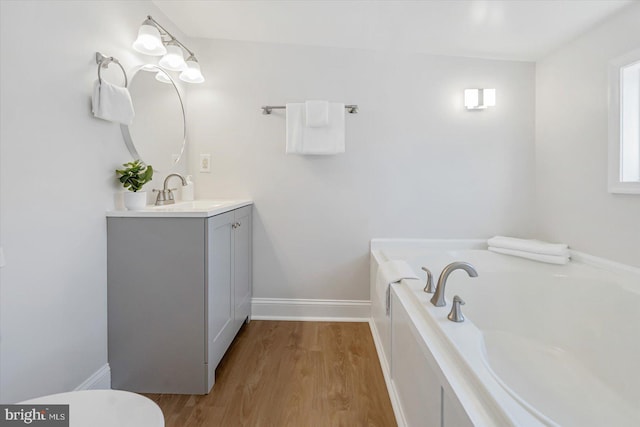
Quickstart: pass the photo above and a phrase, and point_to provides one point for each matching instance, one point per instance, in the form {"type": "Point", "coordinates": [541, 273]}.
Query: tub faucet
{"type": "Point", "coordinates": [165, 196]}
{"type": "Point", "coordinates": [438, 298]}
{"type": "Point", "coordinates": [429, 286]}
{"type": "Point", "coordinates": [456, 312]}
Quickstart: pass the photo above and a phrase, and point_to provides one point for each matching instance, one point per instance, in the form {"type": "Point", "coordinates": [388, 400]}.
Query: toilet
{"type": "Point", "coordinates": [105, 408]}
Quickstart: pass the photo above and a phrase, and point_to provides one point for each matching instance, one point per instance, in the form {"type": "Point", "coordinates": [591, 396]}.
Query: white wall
{"type": "Point", "coordinates": [57, 181]}
{"type": "Point", "coordinates": [571, 145]}
{"type": "Point", "coordinates": [416, 164]}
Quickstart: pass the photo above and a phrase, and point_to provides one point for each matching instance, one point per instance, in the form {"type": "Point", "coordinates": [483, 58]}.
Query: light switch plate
{"type": "Point", "coordinates": [205, 163]}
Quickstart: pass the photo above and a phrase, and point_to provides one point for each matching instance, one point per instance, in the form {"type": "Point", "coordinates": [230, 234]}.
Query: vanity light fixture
{"type": "Point", "coordinates": [479, 99]}
{"type": "Point", "coordinates": [154, 39]}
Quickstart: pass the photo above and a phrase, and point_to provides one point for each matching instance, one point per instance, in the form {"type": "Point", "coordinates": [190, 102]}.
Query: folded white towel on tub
{"type": "Point", "coordinates": [551, 259]}
{"type": "Point", "coordinates": [391, 272]}
{"type": "Point", "coordinates": [527, 245]}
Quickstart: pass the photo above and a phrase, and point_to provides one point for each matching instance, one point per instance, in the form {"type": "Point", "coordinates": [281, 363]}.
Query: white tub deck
{"type": "Point", "coordinates": [549, 345]}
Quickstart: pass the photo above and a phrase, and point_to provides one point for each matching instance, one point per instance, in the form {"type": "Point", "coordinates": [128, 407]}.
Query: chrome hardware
{"type": "Point", "coordinates": [429, 286]}
{"type": "Point", "coordinates": [438, 298]}
{"type": "Point", "coordinates": [267, 109]}
{"type": "Point", "coordinates": [456, 312]}
{"type": "Point", "coordinates": [235, 225]}
{"type": "Point", "coordinates": [104, 61]}
{"type": "Point", "coordinates": [165, 196]}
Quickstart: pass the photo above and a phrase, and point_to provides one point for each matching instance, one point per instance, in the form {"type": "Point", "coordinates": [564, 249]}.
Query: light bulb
{"type": "Point", "coordinates": [192, 74]}
{"type": "Point", "coordinates": [173, 59]}
{"type": "Point", "coordinates": [489, 97]}
{"type": "Point", "coordinates": [161, 76]}
{"type": "Point", "coordinates": [471, 98]}
{"type": "Point", "coordinates": [149, 40]}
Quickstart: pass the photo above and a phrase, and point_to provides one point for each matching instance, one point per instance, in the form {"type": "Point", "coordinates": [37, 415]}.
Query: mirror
{"type": "Point", "coordinates": [157, 135]}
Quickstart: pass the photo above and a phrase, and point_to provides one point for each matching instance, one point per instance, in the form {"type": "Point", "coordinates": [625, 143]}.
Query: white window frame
{"type": "Point", "coordinates": [616, 185]}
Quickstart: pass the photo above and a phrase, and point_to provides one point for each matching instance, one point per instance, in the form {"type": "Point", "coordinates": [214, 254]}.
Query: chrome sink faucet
{"type": "Point", "coordinates": [438, 297]}
{"type": "Point", "coordinates": [165, 196]}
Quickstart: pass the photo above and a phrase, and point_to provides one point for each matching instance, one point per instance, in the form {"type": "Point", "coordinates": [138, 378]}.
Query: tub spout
{"type": "Point", "coordinates": [438, 297]}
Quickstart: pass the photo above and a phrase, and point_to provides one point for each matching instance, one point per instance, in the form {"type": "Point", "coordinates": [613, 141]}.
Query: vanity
{"type": "Point", "coordinates": [179, 289]}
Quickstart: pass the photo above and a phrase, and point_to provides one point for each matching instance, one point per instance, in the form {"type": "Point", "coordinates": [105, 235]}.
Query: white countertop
{"type": "Point", "coordinates": [196, 208]}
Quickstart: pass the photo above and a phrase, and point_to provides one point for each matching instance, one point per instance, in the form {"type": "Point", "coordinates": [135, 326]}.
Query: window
{"type": "Point", "coordinates": [624, 124]}
{"type": "Point", "coordinates": [630, 123]}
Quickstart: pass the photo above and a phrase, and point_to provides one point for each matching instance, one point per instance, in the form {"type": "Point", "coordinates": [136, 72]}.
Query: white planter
{"type": "Point", "coordinates": [135, 201]}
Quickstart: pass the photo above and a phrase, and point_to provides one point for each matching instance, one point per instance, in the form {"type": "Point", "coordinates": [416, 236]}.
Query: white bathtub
{"type": "Point", "coordinates": [542, 344]}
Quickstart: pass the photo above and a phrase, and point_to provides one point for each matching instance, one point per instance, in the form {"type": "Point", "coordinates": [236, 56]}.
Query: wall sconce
{"type": "Point", "coordinates": [479, 99]}
{"type": "Point", "coordinates": [153, 39]}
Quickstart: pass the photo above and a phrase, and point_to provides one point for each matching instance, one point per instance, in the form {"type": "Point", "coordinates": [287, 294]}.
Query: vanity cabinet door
{"type": "Point", "coordinates": [219, 290]}
{"type": "Point", "coordinates": [242, 265]}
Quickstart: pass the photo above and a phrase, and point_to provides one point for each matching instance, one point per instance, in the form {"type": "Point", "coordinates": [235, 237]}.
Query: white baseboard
{"type": "Point", "coordinates": [310, 310]}
{"type": "Point", "coordinates": [99, 380]}
{"type": "Point", "coordinates": [384, 364]}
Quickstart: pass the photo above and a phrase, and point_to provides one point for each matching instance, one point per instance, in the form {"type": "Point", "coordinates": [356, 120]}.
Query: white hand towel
{"type": "Point", "coordinates": [550, 259]}
{"type": "Point", "coordinates": [391, 272]}
{"type": "Point", "coordinates": [534, 246]}
{"type": "Point", "coordinates": [112, 103]}
{"type": "Point", "coordinates": [316, 114]}
{"type": "Point", "coordinates": [322, 141]}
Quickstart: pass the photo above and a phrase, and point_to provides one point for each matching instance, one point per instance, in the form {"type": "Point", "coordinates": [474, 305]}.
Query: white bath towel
{"type": "Point", "coordinates": [391, 272]}
{"type": "Point", "coordinates": [321, 140]}
{"type": "Point", "coordinates": [550, 259]}
{"type": "Point", "coordinates": [526, 245]}
{"type": "Point", "coordinates": [316, 114]}
{"type": "Point", "coordinates": [112, 103]}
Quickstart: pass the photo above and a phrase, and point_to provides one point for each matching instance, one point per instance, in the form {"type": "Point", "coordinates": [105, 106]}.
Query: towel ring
{"type": "Point", "coordinates": [104, 61]}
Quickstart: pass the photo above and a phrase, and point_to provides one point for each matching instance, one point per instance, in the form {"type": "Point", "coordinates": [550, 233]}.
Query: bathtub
{"type": "Point", "coordinates": [542, 344]}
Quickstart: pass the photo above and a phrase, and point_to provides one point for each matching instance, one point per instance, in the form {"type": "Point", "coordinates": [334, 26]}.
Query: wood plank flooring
{"type": "Point", "coordinates": [300, 374]}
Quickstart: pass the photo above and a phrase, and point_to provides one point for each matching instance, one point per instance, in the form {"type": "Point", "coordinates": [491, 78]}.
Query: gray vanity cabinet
{"type": "Point", "coordinates": [179, 289]}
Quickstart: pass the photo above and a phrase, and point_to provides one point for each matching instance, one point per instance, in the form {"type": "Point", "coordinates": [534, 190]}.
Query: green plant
{"type": "Point", "coordinates": [134, 175]}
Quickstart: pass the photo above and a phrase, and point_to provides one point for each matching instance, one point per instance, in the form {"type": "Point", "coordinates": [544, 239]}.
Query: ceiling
{"type": "Point", "coordinates": [524, 30]}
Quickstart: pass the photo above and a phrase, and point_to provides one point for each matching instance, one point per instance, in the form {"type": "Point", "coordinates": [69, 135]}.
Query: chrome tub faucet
{"type": "Point", "coordinates": [438, 297]}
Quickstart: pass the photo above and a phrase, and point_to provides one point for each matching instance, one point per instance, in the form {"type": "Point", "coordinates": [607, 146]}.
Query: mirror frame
{"type": "Point", "coordinates": [126, 134]}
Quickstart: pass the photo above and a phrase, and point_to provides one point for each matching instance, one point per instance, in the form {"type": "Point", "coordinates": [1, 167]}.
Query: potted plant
{"type": "Point", "coordinates": [134, 175]}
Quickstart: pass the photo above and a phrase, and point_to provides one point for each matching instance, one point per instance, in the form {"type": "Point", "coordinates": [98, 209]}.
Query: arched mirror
{"type": "Point", "coordinates": [157, 135]}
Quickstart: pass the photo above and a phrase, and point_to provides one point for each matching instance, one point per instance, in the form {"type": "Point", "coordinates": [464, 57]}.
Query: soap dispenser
{"type": "Point", "coordinates": [187, 190]}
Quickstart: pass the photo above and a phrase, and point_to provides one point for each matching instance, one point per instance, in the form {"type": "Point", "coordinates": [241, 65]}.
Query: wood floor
{"type": "Point", "coordinates": [300, 374]}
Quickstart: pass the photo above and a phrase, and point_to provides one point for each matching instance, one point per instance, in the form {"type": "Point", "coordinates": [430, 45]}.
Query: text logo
{"type": "Point", "coordinates": [34, 415]}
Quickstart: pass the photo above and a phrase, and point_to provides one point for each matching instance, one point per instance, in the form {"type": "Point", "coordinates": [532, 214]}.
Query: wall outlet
{"type": "Point", "coordinates": [205, 163]}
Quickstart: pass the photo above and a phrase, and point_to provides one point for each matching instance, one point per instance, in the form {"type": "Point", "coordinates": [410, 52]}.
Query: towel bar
{"type": "Point", "coordinates": [104, 61]}
{"type": "Point", "coordinates": [266, 109]}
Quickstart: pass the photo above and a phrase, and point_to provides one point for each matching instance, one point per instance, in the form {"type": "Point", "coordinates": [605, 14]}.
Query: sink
{"type": "Point", "coordinates": [195, 205]}
{"type": "Point", "coordinates": [195, 208]}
